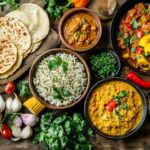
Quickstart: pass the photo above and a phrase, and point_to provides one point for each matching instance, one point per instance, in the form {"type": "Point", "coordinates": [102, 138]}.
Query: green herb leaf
{"type": "Point", "coordinates": [122, 94]}
{"type": "Point", "coordinates": [65, 67]}
{"type": "Point", "coordinates": [134, 24]}
{"type": "Point", "coordinates": [145, 11]}
{"type": "Point", "coordinates": [55, 63]}
{"type": "Point", "coordinates": [123, 106]}
{"type": "Point", "coordinates": [119, 34]}
{"type": "Point", "coordinates": [133, 49]}
{"type": "Point", "coordinates": [60, 93]}
{"type": "Point", "coordinates": [127, 41]}
{"type": "Point", "coordinates": [12, 4]}
{"type": "Point", "coordinates": [23, 88]}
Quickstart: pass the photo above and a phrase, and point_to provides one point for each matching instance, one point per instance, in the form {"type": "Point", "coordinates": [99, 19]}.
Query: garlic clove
{"type": "Point", "coordinates": [16, 131]}
{"type": "Point", "coordinates": [18, 121]}
{"type": "Point", "coordinates": [9, 105]}
{"type": "Point", "coordinates": [14, 139]}
{"type": "Point", "coordinates": [2, 104]}
{"type": "Point", "coordinates": [27, 132]}
{"type": "Point", "coordinates": [16, 104]}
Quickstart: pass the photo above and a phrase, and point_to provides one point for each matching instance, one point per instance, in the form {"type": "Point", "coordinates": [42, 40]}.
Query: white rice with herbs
{"type": "Point", "coordinates": [60, 82]}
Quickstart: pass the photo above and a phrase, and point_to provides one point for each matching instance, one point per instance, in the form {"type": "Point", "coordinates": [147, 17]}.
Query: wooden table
{"type": "Point", "coordinates": [138, 142]}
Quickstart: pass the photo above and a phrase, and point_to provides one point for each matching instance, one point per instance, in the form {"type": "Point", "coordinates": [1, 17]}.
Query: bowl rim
{"type": "Point", "coordinates": [109, 50]}
{"type": "Point", "coordinates": [71, 12]}
{"type": "Point", "coordinates": [124, 8]}
{"type": "Point", "coordinates": [33, 68]}
{"type": "Point", "coordinates": [130, 133]}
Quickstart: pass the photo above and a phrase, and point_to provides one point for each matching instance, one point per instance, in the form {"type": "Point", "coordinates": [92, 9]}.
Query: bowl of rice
{"type": "Point", "coordinates": [59, 78]}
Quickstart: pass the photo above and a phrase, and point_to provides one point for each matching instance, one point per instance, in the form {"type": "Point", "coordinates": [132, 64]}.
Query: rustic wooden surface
{"type": "Point", "coordinates": [140, 141]}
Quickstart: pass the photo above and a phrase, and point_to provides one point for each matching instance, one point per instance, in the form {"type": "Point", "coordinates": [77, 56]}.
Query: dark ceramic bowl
{"type": "Point", "coordinates": [130, 133]}
{"type": "Point", "coordinates": [71, 12]}
{"type": "Point", "coordinates": [114, 54]}
{"type": "Point", "coordinates": [114, 29]}
{"type": "Point", "coordinates": [33, 69]}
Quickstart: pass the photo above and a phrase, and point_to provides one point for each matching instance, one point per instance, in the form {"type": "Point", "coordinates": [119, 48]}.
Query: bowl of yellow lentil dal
{"type": "Point", "coordinates": [115, 108]}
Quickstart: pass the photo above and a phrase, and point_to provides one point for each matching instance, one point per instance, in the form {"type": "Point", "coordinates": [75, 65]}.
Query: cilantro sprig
{"type": "Point", "coordinates": [56, 62]}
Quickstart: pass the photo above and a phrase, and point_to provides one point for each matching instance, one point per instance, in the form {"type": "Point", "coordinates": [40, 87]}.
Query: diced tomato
{"type": "Point", "coordinates": [127, 26]}
{"type": "Point", "coordinates": [139, 50]}
{"type": "Point", "coordinates": [139, 33]}
{"type": "Point", "coordinates": [128, 19]}
{"type": "Point", "coordinates": [111, 105]}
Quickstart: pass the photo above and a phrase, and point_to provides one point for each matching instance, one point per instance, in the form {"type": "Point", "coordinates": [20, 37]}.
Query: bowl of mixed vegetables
{"type": "Point", "coordinates": [130, 35]}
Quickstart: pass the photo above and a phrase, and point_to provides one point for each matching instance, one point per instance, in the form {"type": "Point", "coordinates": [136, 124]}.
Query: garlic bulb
{"type": "Point", "coordinates": [9, 105]}
{"type": "Point", "coordinates": [27, 132]}
{"type": "Point", "coordinates": [16, 131]}
{"type": "Point", "coordinates": [16, 104]}
{"type": "Point", "coordinates": [2, 104]}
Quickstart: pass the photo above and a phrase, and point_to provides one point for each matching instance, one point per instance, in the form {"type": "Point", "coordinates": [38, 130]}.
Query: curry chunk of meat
{"type": "Point", "coordinates": [80, 30]}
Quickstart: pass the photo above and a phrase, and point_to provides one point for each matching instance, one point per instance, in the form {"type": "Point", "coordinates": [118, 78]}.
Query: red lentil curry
{"type": "Point", "coordinates": [134, 36]}
{"type": "Point", "coordinates": [115, 108]}
{"type": "Point", "coordinates": [80, 30]}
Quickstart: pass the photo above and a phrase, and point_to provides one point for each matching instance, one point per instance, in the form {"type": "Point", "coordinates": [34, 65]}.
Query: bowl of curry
{"type": "Point", "coordinates": [130, 34]}
{"type": "Point", "coordinates": [115, 108]}
{"type": "Point", "coordinates": [80, 29]}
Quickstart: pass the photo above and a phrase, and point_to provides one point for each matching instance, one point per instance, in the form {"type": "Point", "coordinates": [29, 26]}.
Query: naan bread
{"type": "Point", "coordinates": [15, 31]}
{"type": "Point", "coordinates": [35, 18]}
{"type": "Point", "coordinates": [32, 49]}
{"type": "Point", "coordinates": [8, 55]}
{"type": "Point", "coordinates": [14, 67]}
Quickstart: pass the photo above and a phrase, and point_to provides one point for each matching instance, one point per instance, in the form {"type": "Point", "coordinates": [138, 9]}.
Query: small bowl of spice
{"type": "Point", "coordinates": [105, 63]}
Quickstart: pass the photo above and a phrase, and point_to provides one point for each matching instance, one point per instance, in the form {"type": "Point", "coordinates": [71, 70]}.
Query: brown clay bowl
{"type": "Point", "coordinates": [72, 12]}
{"type": "Point", "coordinates": [33, 69]}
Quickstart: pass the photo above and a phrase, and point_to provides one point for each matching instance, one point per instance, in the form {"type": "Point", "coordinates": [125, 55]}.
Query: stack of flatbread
{"type": "Point", "coordinates": [21, 33]}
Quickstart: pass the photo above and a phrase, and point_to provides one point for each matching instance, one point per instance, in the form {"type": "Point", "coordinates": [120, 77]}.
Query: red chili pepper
{"type": "Point", "coordinates": [5, 132]}
{"type": "Point", "coordinates": [128, 26]}
{"type": "Point", "coordinates": [111, 105]}
{"type": "Point", "coordinates": [139, 33]}
{"type": "Point", "coordinates": [136, 79]}
{"type": "Point", "coordinates": [139, 50]}
{"type": "Point", "coordinates": [10, 87]}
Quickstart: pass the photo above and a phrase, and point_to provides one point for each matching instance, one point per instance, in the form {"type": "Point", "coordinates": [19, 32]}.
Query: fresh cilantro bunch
{"type": "Point", "coordinates": [63, 132]}
{"type": "Point", "coordinates": [56, 8]}
{"type": "Point", "coordinates": [12, 4]}
{"type": "Point", "coordinates": [23, 88]}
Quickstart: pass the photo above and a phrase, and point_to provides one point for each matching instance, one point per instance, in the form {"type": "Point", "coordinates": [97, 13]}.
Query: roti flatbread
{"type": "Point", "coordinates": [35, 18]}
{"type": "Point", "coordinates": [8, 55]}
{"type": "Point", "coordinates": [15, 31]}
{"type": "Point", "coordinates": [14, 67]}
